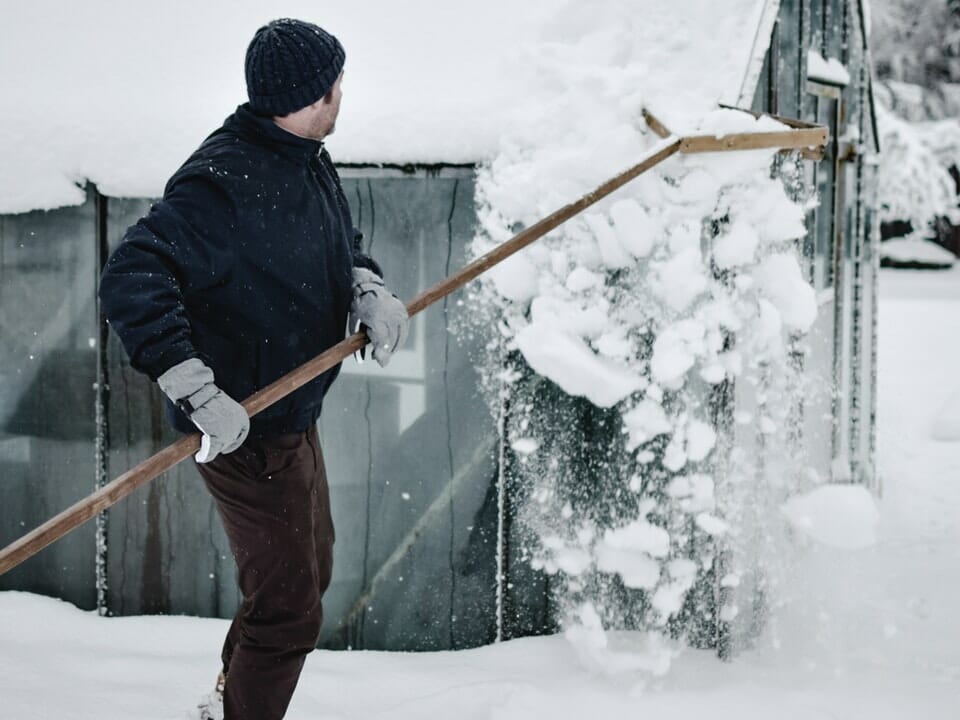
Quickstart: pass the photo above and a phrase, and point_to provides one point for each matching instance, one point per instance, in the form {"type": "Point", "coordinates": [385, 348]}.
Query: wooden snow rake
{"type": "Point", "coordinates": [809, 140]}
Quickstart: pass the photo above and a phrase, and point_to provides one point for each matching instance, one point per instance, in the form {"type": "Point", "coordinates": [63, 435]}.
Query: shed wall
{"type": "Point", "coordinates": [409, 449]}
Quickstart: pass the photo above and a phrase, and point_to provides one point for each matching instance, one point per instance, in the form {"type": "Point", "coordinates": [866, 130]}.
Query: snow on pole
{"type": "Point", "coordinates": [101, 401]}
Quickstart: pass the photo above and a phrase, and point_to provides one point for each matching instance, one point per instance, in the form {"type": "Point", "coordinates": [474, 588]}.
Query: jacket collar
{"type": "Point", "coordinates": [264, 131]}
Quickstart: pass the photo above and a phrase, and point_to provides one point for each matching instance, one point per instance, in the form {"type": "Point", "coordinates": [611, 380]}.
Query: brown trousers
{"type": "Point", "coordinates": [273, 499]}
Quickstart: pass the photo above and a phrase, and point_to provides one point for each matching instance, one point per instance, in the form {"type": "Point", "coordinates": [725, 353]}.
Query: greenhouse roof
{"type": "Point", "coordinates": [119, 94]}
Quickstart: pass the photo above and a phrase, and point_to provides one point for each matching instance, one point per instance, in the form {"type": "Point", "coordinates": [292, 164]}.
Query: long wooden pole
{"type": "Point", "coordinates": [111, 493]}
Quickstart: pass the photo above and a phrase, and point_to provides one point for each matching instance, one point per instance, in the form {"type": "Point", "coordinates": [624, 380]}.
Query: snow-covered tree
{"type": "Point", "coordinates": [913, 40]}
{"type": "Point", "coordinates": [916, 49]}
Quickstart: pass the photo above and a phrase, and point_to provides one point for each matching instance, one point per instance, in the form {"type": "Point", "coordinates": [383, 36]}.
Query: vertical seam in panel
{"type": "Point", "coordinates": [358, 220]}
{"type": "Point", "coordinates": [446, 395]}
{"type": "Point", "coordinates": [373, 217]}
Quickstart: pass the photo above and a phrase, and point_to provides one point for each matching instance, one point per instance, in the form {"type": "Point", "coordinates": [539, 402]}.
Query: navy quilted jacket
{"type": "Point", "coordinates": [244, 263]}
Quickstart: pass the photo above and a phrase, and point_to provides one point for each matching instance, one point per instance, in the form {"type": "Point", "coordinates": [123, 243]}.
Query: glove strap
{"type": "Point", "coordinates": [191, 403]}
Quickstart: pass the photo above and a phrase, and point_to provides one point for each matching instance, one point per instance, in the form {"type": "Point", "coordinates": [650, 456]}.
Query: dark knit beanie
{"type": "Point", "coordinates": [291, 64]}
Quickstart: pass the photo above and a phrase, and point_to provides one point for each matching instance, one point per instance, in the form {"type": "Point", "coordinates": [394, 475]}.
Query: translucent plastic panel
{"type": "Point", "coordinates": [410, 448]}
{"type": "Point", "coordinates": [47, 374]}
{"type": "Point", "coordinates": [409, 452]}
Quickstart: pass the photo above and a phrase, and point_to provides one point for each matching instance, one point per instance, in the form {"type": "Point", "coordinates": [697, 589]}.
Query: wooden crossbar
{"type": "Point", "coordinates": [783, 140]}
{"type": "Point", "coordinates": [805, 137]}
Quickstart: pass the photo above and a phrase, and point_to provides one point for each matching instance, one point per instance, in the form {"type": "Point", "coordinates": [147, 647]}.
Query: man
{"type": "Point", "coordinates": [248, 267]}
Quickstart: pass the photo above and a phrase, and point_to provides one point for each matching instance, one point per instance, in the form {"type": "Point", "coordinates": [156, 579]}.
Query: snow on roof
{"type": "Point", "coordinates": [121, 93]}
{"type": "Point", "coordinates": [830, 71]}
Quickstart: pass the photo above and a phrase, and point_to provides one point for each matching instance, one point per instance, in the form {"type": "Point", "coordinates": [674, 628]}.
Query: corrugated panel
{"type": "Point", "coordinates": [409, 454]}
{"type": "Point", "coordinates": [47, 372]}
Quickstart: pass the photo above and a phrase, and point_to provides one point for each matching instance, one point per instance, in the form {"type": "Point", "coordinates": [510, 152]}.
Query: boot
{"type": "Point", "coordinates": [210, 706]}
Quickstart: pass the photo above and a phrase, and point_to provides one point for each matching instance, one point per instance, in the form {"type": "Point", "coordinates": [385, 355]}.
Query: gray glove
{"type": "Point", "coordinates": [380, 312]}
{"type": "Point", "coordinates": [222, 420]}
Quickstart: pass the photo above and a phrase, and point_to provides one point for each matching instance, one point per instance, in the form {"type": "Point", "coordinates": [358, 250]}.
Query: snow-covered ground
{"type": "Point", "coordinates": [870, 633]}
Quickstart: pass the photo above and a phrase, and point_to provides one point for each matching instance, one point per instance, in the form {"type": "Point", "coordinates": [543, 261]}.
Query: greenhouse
{"type": "Point", "coordinates": [430, 472]}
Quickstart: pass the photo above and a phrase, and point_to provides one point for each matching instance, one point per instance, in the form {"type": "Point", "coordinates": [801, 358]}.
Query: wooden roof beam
{"type": "Point", "coordinates": [807, 138]}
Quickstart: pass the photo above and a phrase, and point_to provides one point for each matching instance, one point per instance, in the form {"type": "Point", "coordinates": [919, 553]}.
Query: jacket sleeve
{"type": "Point", "coordinates": [180, 247]}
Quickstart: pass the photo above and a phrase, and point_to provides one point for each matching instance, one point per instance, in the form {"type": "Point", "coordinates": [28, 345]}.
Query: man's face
{"type": "Point", "coordinates": [336, 93]}
{"type": "Point", "coordinates": [318, 120]}
{"type": "Point", "coordinates": [326, 110]}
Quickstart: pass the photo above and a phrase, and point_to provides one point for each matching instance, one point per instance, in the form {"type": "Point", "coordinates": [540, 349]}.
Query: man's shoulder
{"type": "Point", "coordinates": [223, 152]}
{"type": "Point", "coordinates": [224, 160]}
